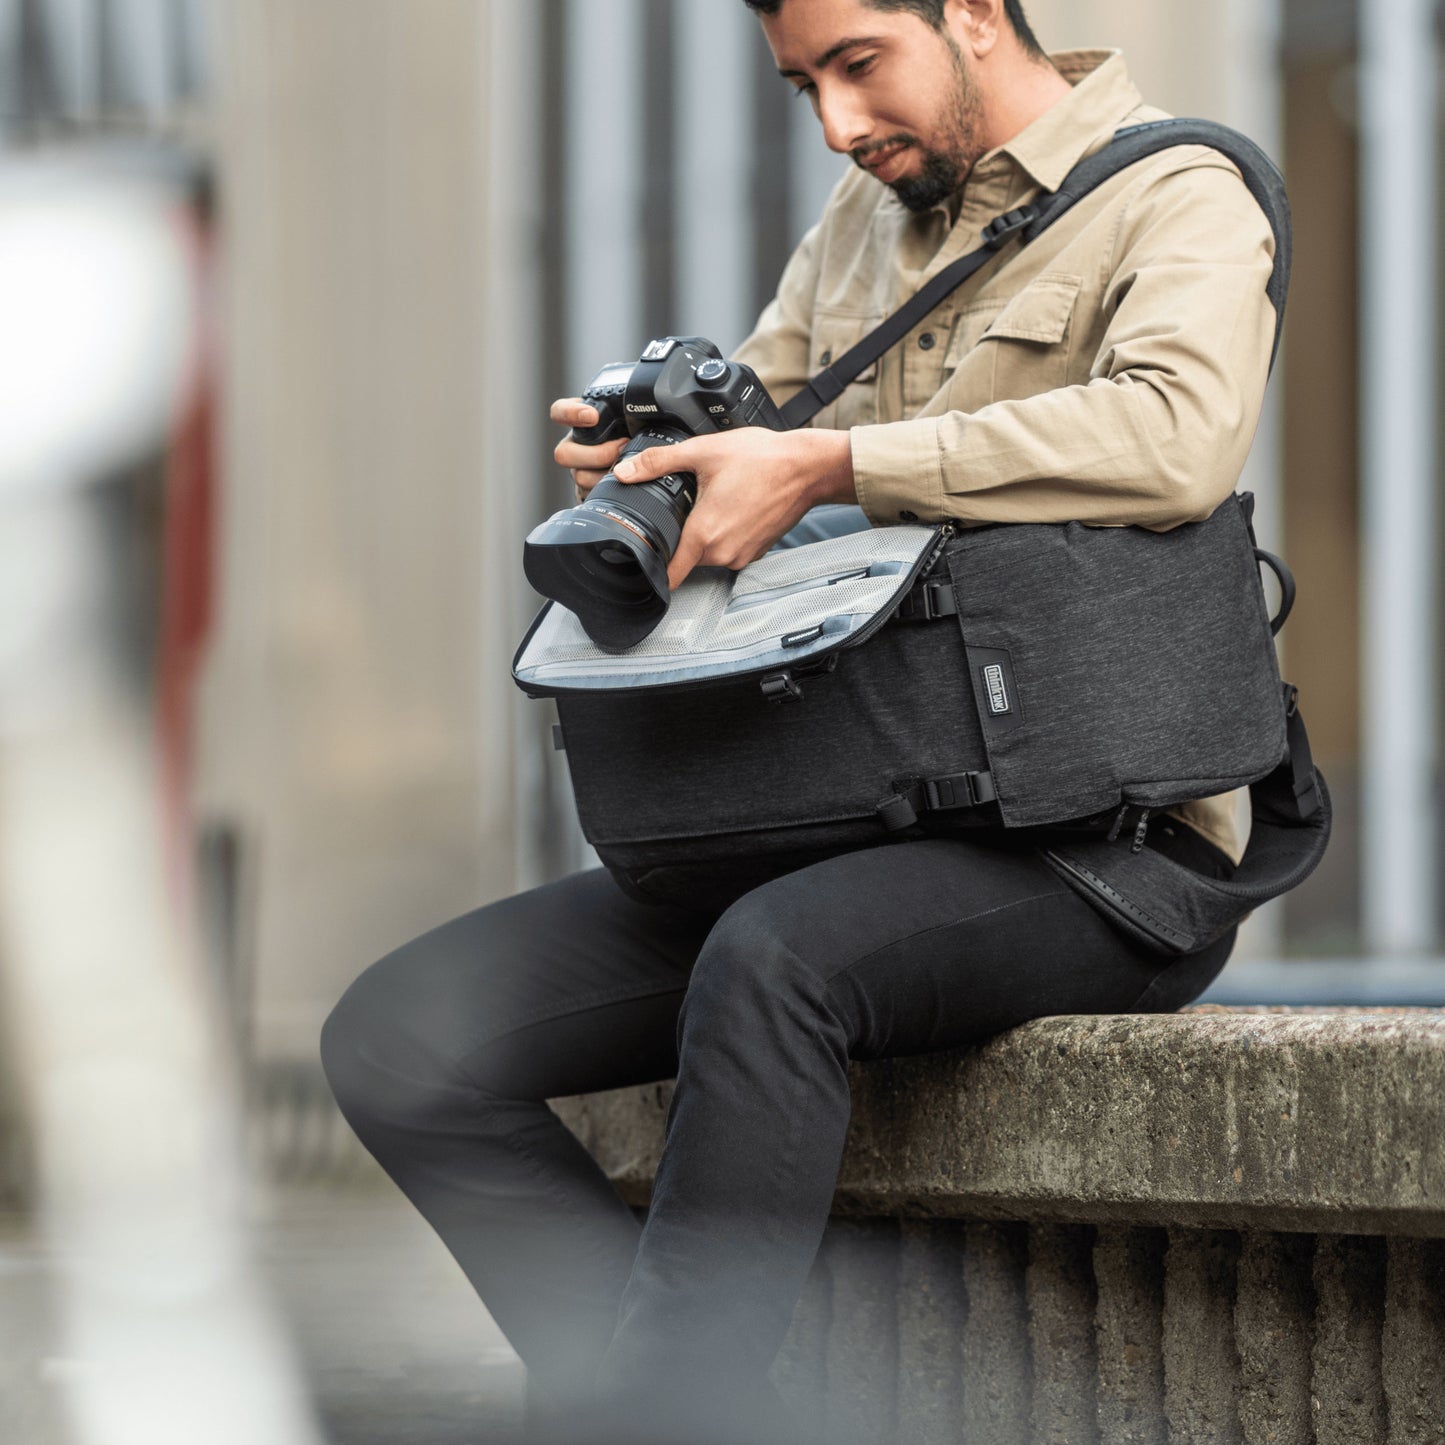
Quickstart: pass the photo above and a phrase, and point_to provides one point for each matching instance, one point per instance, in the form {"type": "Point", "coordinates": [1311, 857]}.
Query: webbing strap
{"type": "Point", "coordinates": [829, 384]}
{"type": "Point", "coordinates": [1127, 148]}
{"type": "Point", "coordinates": [944, 794]}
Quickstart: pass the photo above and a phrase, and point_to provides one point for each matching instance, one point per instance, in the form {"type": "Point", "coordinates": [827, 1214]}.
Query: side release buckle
{"type": "Point", "coordinates": [781, 687]}
{"type": "Point", "coordinates": [928, 599]}
{"type": "Point", "coordinates": [1009, 224]}
{"type": "Point", "coordinates": [936, 795]}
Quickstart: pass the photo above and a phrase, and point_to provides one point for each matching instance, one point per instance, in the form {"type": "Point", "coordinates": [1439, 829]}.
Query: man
{"type": "Point", "coordinates": [1111, 373]}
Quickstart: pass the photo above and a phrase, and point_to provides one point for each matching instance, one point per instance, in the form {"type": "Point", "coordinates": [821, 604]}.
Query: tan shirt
{"type": "Point", "coordinates": [1111, 372]}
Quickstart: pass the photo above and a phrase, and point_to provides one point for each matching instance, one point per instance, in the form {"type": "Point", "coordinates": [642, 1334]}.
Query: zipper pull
{"type": "Point", "coordinates": [1141, 830]}
{"type": "Point", "coordinates": [1118, 823]}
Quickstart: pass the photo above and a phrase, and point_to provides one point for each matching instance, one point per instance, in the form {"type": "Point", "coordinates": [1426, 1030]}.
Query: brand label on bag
{"type": "Point", "coordinates": [994, 686]}
{"type": "Point", "coordinates": [995, 689]}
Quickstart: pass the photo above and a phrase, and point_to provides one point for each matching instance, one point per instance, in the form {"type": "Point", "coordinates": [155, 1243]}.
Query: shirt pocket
{"type": "Point", "coordinates": [1028, 341]}
{"type": "Point", "coordinates": [835, 332]}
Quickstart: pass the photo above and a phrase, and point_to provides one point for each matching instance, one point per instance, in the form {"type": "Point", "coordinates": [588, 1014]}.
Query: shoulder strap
{"type": "Point", "coordinates": [1129, 146]}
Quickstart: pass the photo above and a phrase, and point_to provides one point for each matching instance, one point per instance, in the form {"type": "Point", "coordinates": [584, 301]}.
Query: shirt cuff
{"type": "Point", "coordinates": [898, 471]}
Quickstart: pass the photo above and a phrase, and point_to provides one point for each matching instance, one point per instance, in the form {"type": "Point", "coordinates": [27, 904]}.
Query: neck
{"type": "Point", "coordinates": [1017, 94]}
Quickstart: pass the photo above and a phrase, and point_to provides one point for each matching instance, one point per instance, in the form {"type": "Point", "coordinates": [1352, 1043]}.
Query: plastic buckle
{"type": "Point", "coordinates": [961, 790]}
{"type": "Point", "coordinates": [780, 687]}
{"type": "Point", "coordinates": [1010, 223]}
{"type": "Point", "coordinates": [929, 600]}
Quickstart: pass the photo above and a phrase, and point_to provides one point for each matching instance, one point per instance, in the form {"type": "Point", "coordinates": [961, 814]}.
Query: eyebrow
{"type": "Point", "coordinates": [831, 54]}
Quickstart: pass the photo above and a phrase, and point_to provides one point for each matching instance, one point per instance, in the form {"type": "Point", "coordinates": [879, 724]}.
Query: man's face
{"type": "Point", "coordinates": [891, 91]}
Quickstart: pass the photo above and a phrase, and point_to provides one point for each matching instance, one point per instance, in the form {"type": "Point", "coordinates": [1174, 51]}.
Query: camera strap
{"type": "Point", "coordinates": [1129, 146]}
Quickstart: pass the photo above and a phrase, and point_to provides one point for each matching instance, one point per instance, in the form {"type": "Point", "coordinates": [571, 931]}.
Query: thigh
{"type": "Point", "coordinates": [934, 944]}
{"type": "Point", "coordinates": [563, 989]}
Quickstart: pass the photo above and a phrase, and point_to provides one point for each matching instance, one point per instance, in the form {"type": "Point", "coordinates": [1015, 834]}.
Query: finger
{"type": "Point", "coordinates": [659, 461]}
{"type": "Point", "coordinates": [573, 411]}
{"type": "Point", "coordinates": [572, 454]}
{"type": "Point", "coordinates": [688, 555]}
{"type": "Point", "coordinates": [584, 480]}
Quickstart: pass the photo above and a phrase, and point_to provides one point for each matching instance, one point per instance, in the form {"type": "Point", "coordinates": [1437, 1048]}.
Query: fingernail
{"type": "Point", "coordinates": [626, 471]}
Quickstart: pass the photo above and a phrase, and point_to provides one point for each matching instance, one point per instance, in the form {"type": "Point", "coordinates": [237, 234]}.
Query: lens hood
{"type": "Point", "coordinates": [598, 563]}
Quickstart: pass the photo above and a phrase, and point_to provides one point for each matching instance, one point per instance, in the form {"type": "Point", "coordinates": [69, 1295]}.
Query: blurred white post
{"type": "Point", "coordinates": [1397, 472]}
{"type": "Point", "coordinates": [166, 1336]}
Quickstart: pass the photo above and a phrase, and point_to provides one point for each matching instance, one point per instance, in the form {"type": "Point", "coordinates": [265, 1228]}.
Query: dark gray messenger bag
{"type": "Point", "coordinates": [1045, 685]}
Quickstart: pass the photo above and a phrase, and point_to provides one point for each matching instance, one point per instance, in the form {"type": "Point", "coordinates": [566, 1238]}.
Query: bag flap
{"type": "Point", "coordinates": [788, 609]}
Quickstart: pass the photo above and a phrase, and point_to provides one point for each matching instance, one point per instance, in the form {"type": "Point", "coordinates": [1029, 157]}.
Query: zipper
{"type": "Point", "coordinates": [791, 589]}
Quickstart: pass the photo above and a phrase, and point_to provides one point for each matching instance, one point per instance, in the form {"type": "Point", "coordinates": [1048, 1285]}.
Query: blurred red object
{"type": "Point", "coordinates": [188, 550]}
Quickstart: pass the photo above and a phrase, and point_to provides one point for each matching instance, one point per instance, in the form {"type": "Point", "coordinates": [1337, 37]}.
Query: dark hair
{"type": "Point", "coordinates": [931, 11]}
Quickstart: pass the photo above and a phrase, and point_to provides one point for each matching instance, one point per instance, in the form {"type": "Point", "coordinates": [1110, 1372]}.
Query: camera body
{"type": "Point", "coordinates": [607, 557]}
{"type": "Point", "coordinates": [681, 383]}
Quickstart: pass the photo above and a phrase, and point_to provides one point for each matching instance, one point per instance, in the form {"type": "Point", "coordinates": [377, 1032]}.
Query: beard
{"type": "Point", "coordinates": [941, 172]}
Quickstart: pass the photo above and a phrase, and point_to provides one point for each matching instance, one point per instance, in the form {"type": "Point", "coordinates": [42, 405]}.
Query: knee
{"type": "Point", "coordinates": [754, 960]}
{"type": "Point", "coordinates": [379, 1059]}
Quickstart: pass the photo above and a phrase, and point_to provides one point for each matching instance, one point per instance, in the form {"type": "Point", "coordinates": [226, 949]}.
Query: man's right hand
{"type": "Point", "coordinates": [588, 465]}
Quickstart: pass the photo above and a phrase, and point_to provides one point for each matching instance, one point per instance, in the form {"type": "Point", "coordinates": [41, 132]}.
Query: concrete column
{"type": "Point", "coordinates": [1397, 473]}
{"type": "Point", "coordinates": [714, 241]}
{"type": "Point", "coordinates": [358, 718]}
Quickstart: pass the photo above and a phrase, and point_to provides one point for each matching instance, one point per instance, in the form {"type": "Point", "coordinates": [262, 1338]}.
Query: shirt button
{"type": "Point", "coordinates": [908, 516]}
{"type": "Point", "coordinates": [826, 359]}
{"type": "Point", "coordinates": [927, 341]}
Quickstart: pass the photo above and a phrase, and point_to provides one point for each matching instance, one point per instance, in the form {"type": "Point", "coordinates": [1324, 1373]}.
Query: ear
{"type": "Point", "coordinates": [975, 24]}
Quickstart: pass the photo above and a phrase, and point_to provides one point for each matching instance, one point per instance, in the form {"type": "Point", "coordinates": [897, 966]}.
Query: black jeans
{"type": "Point", "coordinates": [442, 1054]}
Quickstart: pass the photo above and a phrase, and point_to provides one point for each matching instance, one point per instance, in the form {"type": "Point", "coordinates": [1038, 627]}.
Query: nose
{"type": "Point", "coordinates": [845, 126]}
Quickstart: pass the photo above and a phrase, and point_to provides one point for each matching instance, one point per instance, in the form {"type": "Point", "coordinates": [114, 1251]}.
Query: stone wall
{"type": "Point", "coordinates": [1217, 1226]}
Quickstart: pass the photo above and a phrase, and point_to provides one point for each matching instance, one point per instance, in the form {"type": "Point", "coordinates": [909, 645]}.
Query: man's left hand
{"type": "Point", "coordinates": [753, 484]}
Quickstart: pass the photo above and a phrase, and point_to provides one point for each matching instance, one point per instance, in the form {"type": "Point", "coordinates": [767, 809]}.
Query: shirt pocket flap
{"type": "Point", "coordinates": [835, 334]}
{"type": "Point", "coordinates": [1040, 312]}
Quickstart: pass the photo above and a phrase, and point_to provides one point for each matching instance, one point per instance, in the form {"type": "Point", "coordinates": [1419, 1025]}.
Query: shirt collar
{"type": "Point", "coordinates": [1102, 97]}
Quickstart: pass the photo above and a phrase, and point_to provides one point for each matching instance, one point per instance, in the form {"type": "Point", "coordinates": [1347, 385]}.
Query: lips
{"type": "Point", "coordinates": [882, 163]}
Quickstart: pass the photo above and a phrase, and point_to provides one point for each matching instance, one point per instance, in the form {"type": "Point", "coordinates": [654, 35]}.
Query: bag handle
{"type": "Point", "coordinates": [1128, 147]}
{"type": "Point", "coordinates": [1286, 588]}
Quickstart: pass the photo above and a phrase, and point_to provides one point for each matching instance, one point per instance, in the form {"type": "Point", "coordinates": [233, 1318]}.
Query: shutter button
{"type": "Point", "coordinates": [927, 341]}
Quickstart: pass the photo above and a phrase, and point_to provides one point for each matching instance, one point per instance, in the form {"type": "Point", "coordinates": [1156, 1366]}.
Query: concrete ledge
{"type": "Point", "coordinates": [1313, 1120]}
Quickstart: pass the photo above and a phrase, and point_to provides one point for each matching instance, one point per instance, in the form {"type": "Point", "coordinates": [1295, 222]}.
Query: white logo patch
{"type": "Point", "coordinates": [997, 692]}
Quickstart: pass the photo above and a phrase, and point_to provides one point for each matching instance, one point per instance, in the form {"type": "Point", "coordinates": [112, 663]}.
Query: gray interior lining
{"type": "Point", "coordinates": [705, 634]}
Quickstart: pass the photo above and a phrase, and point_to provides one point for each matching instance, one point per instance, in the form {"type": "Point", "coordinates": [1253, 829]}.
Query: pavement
{"type": "Point", "coordinates": [395, 1345]}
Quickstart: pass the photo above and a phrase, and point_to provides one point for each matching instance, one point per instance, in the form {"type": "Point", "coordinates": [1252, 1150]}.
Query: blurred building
{"type": "Point", "coordinates": [433, 218]}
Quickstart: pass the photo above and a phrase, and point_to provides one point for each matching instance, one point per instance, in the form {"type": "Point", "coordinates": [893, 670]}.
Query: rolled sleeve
{"type": "Point", "coordinates": [898, 471]}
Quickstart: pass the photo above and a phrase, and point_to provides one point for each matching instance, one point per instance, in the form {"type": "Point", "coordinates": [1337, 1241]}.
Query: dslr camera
{"type": "Point", "coordinates": [606, 559]}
